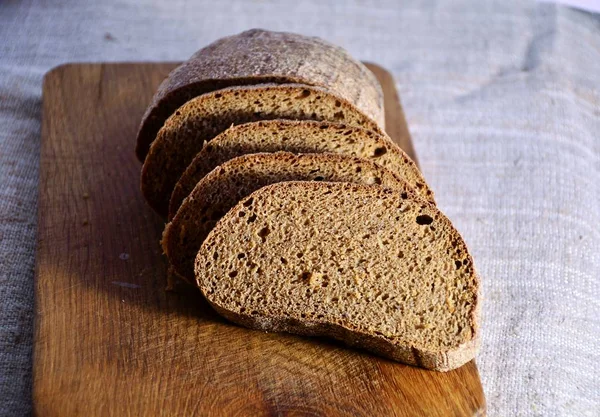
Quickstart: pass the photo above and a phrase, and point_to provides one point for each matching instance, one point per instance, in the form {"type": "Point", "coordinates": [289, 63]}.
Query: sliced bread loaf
{"type": "Point", "coordinates": [258, 57]}
{"type": "Point", "coordinates": [297, 137]}
{"type": "Point", "coordinates": [371, 266]}
{"type": "Point", "coordinates": [204, 117]}
{"type": "Point", "coordinates": [222, 188]}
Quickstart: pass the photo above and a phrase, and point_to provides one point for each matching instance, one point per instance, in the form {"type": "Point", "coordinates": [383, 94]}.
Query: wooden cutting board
{"type": "Point", "coordinates": [110, 341]}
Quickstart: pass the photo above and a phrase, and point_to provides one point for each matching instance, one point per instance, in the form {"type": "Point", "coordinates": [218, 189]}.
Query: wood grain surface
{"type": "Point", "coordinates": [109, 341]}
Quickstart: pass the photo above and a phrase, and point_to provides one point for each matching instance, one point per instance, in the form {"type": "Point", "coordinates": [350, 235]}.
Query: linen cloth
{"type": "Point", "coordinates": [502, 99]}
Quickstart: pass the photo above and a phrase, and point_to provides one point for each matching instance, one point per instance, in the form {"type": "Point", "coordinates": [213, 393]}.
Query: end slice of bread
{"type": "Point", "coordinates": [259, 56]}
{"type": "Point", "coordinates": [371, 266]}
{"type": "Point", "coordinates": [298, 137]}
{"type": "Point", "coordinates": [204, 117]}
{"type": "Point", "coordinates": [227, 184]}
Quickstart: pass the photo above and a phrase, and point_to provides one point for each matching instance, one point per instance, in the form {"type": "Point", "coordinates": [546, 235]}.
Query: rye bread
{"type": "Point", "coordinates": [202, 118]}
{"type": "Point", "coordinates": [258, 57]}
{"type": "Point", "coordinates": [223, 187]}
{"type": "Point", "coordinates": [370, 266]}
{"type": "Point", "coordinates": [298, 137]}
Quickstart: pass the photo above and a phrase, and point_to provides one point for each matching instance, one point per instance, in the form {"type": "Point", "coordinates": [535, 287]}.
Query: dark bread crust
{"type": "Point", "coordinates": [257, 57]}
{"type": "Point", "coordinates": [202, 118]}
{"type": "Point", "coordinates": [294, 136]}
{"type": "Point", "coordinates": [441, 359]}
{"type": "Point", "coordinates": [380, 345]}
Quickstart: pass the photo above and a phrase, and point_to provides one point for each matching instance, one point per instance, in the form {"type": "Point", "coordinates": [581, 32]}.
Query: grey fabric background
{"type": "Point", "coordinates": [503, 101]}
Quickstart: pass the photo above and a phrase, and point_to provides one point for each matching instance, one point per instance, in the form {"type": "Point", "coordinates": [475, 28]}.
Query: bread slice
{"type": "Point", "coordinates": [258, 57]}
{"type": "Point", "coordinates": [204, 117]}
{"type": "Point", "coordinates": [222, 188]}
{"type": "Point", "coordinates": [298, 137]}
{"type": "Point", "coordinates": [371, 266]}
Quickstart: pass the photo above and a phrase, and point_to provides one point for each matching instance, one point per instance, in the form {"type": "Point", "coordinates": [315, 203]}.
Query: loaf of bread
{"type": "Point", "coordinates": [258, 57]}
{"type": "Point", "coordinates": [202, 118]}
{"type": "Point", "coordinates": [227, 184]}
{"type": "Point", "coordinates": [297, 137]}
{"type": "Point", "coordinates": [293, 211]}
{"type": "Point", "coordinates": [371, 266]}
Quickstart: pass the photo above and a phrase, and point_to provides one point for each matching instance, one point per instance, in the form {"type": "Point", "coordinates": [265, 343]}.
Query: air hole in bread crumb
{"type": "Point", "coordinates": [283, 260]}
{"type": "Point", "coordinates": [424, 219]}
{"type": "Point", "coordinates": [263, 233]}
{"type": "Point", "coordinates": [404, 196]}
{"type": "Point", "coordinates": [177, 113]}
{"type": "Point", "coordinates": [300, 254]}
{"type": "Point", "coordinates": [251, 219]}
{"type": "Point", "coordinates": [428, 259]}
{"type": "Point", "coordinates": [379, 151]}
{"type": "Point", "coordinates": [233, 274]}
{"type": "Point", "coordinates": [338, 103]}
{"type": "Point", "coordinates": [241, 213]}
{"type": "Point", "coordinates": [241, 255]}
{"type": "Point", "coordinates": [248, 202]}
{"type": "Point", "coordinates": [319, 178]}
{"type": "Point", "coordinates": [358, 169]}
{"type": "Point", "coordinates": [216, 255]}
{"type": "Point", "coordinates": [458, 264]}
{"type": "Point", "coordinates": [303, 94]}
{"type": "Point", "coordinates": [218, 95]}
{"type": "Point", "coordinates": [339, 115]}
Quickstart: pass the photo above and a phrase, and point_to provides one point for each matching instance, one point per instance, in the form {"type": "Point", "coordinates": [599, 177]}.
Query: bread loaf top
{"type": "Point", "coordinates": [256, 57]}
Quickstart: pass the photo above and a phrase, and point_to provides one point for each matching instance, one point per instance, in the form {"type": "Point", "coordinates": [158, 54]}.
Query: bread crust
{"type": "Point", "coordinates": [257, 57]}
{"type": "Point", "coordinates": [380, 345]}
